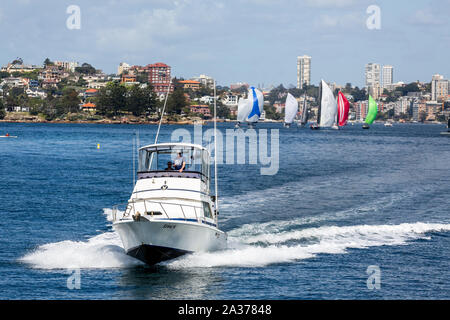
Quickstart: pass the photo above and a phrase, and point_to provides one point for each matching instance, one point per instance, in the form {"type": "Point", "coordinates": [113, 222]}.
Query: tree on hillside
{"type": "Point", "coordinates": [2, 110]}
{"type": "Point", "coordinates": [47, 63]}
{"type": "Point", "coordinates": [140, 100]}
{"type": "Point", "coordinates": [70, 100]}
{"type": "Point", "coordinates": [112, 99]}
{"type": "Point", "coordinates": [86, 68]}
{"type": "Point", "coordinates": [222, 110]}
{"type": "Point", "coordinates": [359, 95]}
{"type": "Point", "coordinates": [296, 92]}
{"type": "Point", "coordinates": [4, 74]}
{"type": "Point", "coordinates": [176, 101]}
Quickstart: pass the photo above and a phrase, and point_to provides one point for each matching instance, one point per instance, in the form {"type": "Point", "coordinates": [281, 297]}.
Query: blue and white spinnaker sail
{"type": "Point", "coordinates": [256, 102]}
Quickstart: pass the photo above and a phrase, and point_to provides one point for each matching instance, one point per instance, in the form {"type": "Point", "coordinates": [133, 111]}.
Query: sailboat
{"type": "Point", "coordinates": [371, 113]}
{"type": "Point", "coordinates": [243, 111]}
{"type": "Point", "coordinates": [343, 107]}
{"type": "Point", "coordinates": [171, 211]}
{"type": "Point", "coordinates": [250, 109]}
{"type": "Point", "coordinates": [304, 116]}
{"type": "Point", "coordinates": [291, 109]}
{"type": "Point", "coordinates": [327, 108]}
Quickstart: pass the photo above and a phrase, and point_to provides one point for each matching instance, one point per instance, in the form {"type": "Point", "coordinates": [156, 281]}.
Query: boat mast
{"type": "Point", "coordinates": [216, 187]}
{"type": "Point", "coordinates": [304, 111]}
{"type": "Point", "coordinates": [162, 114]}
{"type": "Point", "coordinates": [161, 118]}
{"type": "Point", "coordinates": [338, 112]}
{"type": "Point", "coordinates": [320, 103]}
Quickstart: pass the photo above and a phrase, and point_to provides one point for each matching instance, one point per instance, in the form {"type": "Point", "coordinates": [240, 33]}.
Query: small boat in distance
{"type": "Point", "coordinates": [388, 124]}
{"type": "Point", "coordinates": [250, 109]}
{"type": "Point", "coordinates": [343, 108]}
{"type": "Point", "coordinates": [371, 113]}
{"type": "Point", "coordinates": [291, 109]}
{"type": "Point", "coordinates": [328, 107]}
{"type": "Point", "coordinates": [7, 135]}
{"type": "Point", "coordinates": [304, 113]}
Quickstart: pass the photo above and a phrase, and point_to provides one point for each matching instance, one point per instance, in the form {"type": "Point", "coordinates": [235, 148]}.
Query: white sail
{"type": "Point", "coordinates": [328, 107]}
{"type": "Point", "coordinates": [290, 109]}
{"type": "Point", "coordinates": [256, 104]}
{"type": "Point", "coordinates": [243, 110]}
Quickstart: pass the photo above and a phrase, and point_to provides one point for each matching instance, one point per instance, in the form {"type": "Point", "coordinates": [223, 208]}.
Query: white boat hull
{"type": "Point", "coordinates": [153, 241]}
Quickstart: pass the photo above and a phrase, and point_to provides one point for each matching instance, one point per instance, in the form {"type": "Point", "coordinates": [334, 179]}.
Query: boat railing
{"type": "Point", "coordinates": [135, 208]}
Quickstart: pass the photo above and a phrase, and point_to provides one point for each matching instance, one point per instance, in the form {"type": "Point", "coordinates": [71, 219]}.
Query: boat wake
{"type": "Point", "coordinates": [103, 251]}
{"type": "Point", "coordinates": [261, 245]}
{"type": "Point", "coordinates": [251, 245]}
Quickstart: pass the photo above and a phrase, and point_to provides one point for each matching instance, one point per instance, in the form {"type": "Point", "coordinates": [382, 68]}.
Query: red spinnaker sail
{"type": "Point", "coordinates": [343, 108]}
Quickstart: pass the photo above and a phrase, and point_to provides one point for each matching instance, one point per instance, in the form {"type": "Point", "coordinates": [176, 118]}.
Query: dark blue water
{"type": "Point", "coordinates": [340, 202]}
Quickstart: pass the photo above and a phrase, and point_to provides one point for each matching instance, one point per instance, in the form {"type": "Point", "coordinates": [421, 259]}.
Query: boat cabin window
{"type": "Point", "coordinates": [207, 210]}
{"type": "Point", "coordinates": [163, 159]}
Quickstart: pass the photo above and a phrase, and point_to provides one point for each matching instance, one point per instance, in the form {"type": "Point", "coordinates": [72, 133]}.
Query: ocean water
{"type": "Point", "coordinates": [341, 201]}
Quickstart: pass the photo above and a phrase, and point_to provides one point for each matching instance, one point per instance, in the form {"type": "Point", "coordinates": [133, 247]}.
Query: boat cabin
{"type": "Point", "coordinates": [166, 161]}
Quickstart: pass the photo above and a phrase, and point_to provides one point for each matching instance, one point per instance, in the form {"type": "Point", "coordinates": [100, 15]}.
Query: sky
{"type": "Point", "coordinates": [253, 41]}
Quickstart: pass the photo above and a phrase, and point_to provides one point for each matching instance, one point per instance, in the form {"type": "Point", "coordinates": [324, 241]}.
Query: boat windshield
{"type": "Point", "coordinates": [168, 158]}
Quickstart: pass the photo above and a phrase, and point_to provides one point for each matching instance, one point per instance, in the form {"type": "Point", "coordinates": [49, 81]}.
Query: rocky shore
{"type": "Point", "coordinates": [22, 117]}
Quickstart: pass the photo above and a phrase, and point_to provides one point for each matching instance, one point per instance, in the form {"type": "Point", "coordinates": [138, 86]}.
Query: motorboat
{"type": "Point", "coordinates": [8, 136]}
{"type": "Point", "coordinates": [171, 212]}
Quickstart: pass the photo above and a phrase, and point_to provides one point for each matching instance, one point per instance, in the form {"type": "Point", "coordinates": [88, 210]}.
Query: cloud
{"type": "Point", "coordinates": [348, 20]}
{"type": "Point", "coordinates": [331, 3]}
{"type": "Point", "coordinates": [426, 17]}
{"type": "Point", "coordinates": [151, 28]}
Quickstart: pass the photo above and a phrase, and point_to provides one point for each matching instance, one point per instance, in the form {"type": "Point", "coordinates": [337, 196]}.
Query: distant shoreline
{"type": "Point", "coordinates": [183, 122]}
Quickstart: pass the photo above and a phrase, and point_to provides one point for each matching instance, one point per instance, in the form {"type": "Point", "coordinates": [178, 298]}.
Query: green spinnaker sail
{"type": "Point", "coordinates": [372, 112]}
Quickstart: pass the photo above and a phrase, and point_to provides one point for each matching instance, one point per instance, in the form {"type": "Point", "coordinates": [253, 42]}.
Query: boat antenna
{"type": "Point", "coordinates": [162, 114]}
{"type": "Point", "coordinates": [216, 187]}
{"type": "Point", "coordinates": [134, 159]}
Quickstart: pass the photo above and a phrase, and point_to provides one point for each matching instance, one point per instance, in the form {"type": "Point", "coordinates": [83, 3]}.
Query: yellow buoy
{"type": "Point", "coordinates": [98, 145]}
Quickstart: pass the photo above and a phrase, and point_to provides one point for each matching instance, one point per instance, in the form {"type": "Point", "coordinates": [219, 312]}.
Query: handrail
{"type": "Point", "coordinates": [130, 206]}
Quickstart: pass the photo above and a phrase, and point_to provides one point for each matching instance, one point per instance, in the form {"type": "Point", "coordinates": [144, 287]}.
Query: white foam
{"type": "Point", "coordinates": [271, 248]}
{"type": "Point", "coordinates": [100, 252]}
{"type": "Point", "coordinates": [252, 245]}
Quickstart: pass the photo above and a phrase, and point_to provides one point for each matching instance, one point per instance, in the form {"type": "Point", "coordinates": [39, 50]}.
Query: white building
{"type": "Point", "coordinates": [373, 75]}
{"type": "Point", "coordinates": [205, 80]}
{"type": "Point", "coordinates": [67, 65]}
{"type": "Point", "coordinates": [303, 71]}
{"type": "Point", "coordinates": [439, 88]}
{"type": "Point", "coordinates": [207, 99]}
{"type": "Point", "coordinates": [231, 100]}
{"type": "Point", "coordinates": [123, 67]}
{"type": "Point", "coordinates": [403, 105]}
{"type": "Point", "coordinates": [388, 76]}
